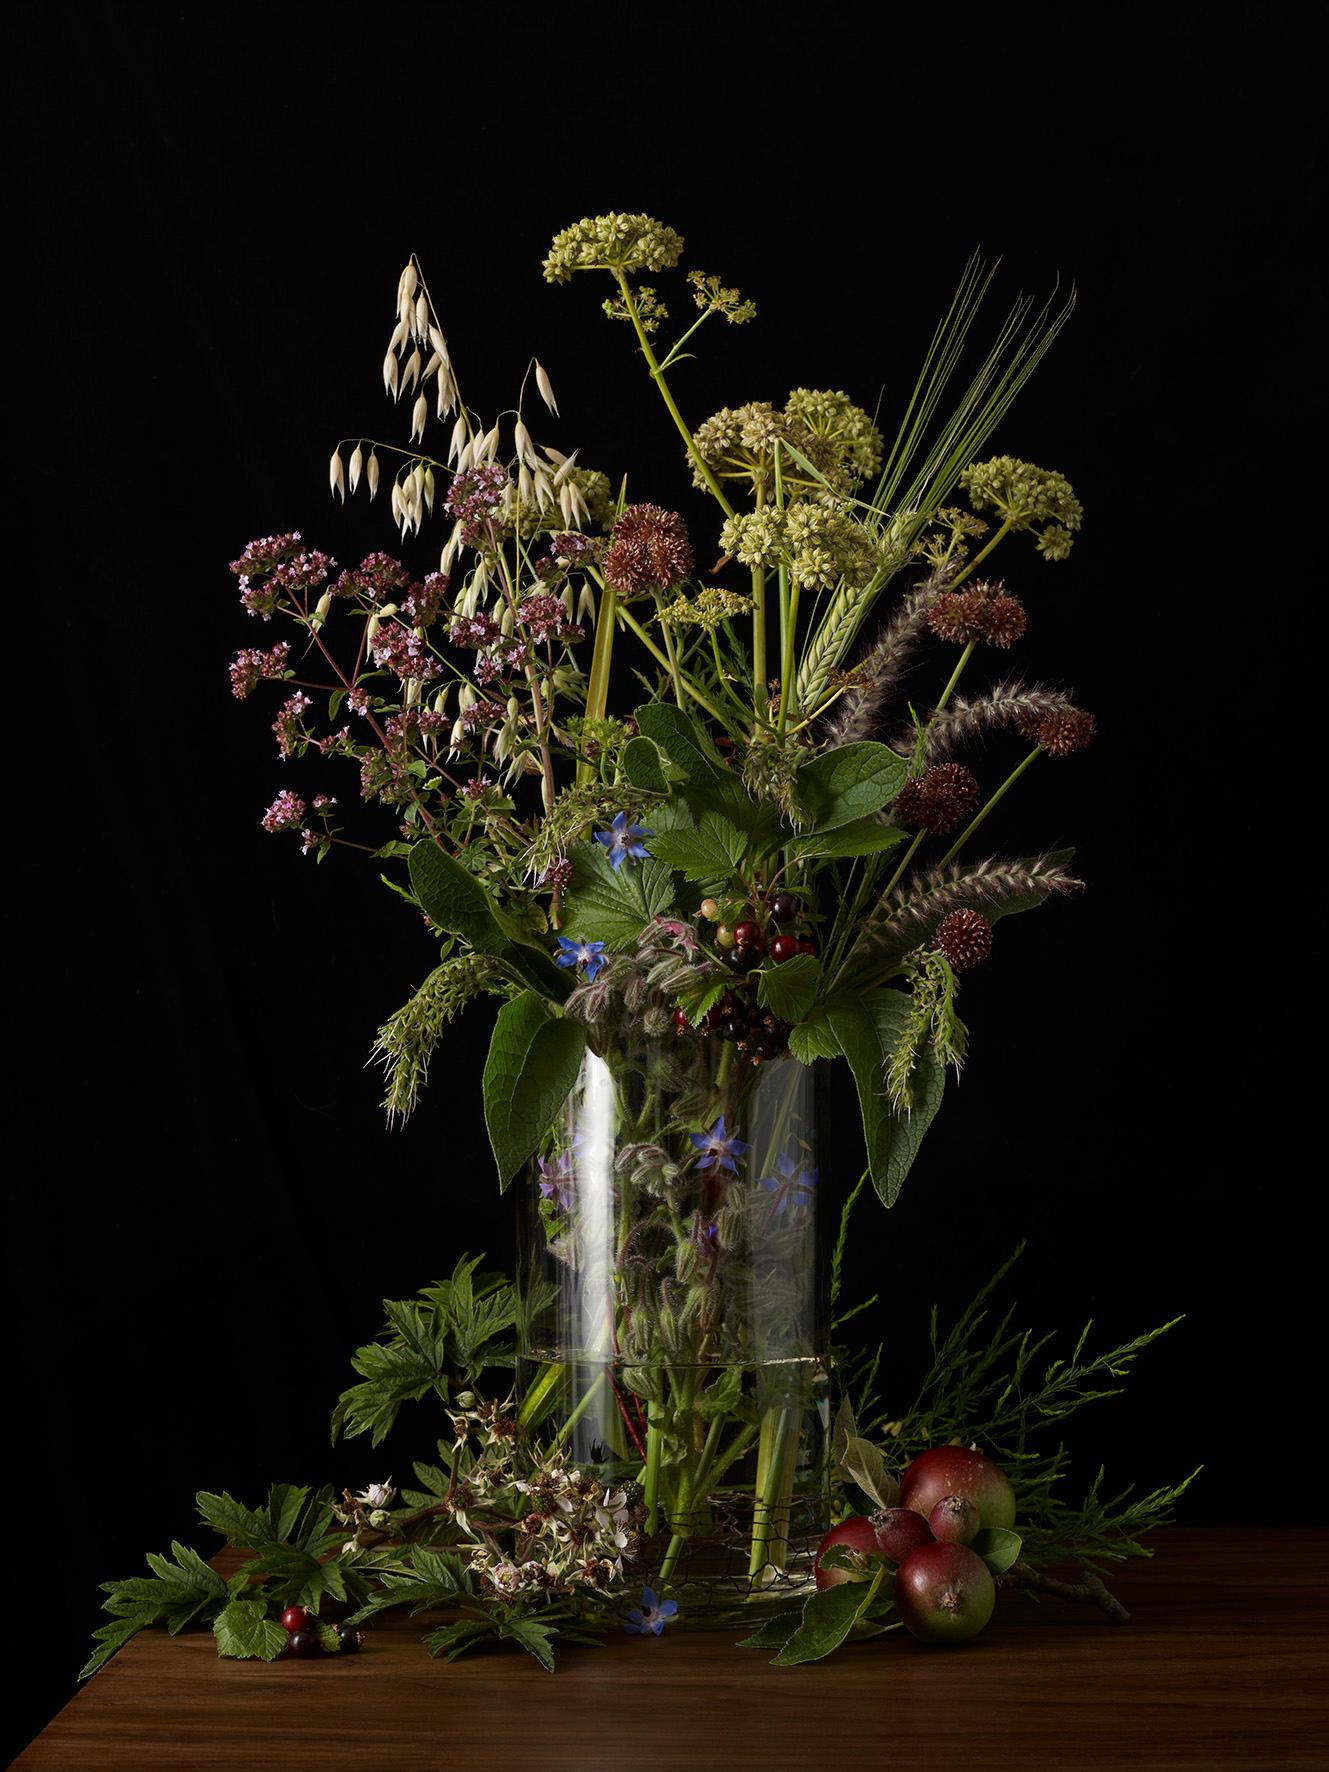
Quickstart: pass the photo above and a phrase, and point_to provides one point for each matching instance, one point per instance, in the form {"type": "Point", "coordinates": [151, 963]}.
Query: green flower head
{"type": "Point", "coordinates": [1026, 496]}
{"type": "Point", "coordinates": [612, 243]}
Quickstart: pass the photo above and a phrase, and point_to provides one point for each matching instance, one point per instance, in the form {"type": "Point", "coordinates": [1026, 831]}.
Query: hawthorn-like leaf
{"type": "Point", "coordinates": [710, 850]}
{"type": "Point", "coordinates": [814, 1038]}
{"type": "Point", "coordinates": [533, 1637]}
{"type": "Point", "coordinates": [642, 766]}
{"type": "Point", "coordinates": [863, 836]}
{"type": "Point", "coordinates": [613, 905]}
{"type": "Point", "coordinates": [245, 1632]}
{"type": "Point", "coordinates": [533, 1062]}
{"type": "Point", "coordinates": [789, 990]}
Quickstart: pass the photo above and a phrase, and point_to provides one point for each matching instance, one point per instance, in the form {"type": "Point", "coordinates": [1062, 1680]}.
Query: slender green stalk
{"type": "Point", "coordinates": [982, 555]}
{"type": "Point", "coordinates": [658, 376]}
{"type": "Point", "coordinates": [654, 1448]}
{"type": "Point", "coordinates": [983, 810]}
{"type": "Point", "coordinates": [776, 1431]}
{"type": "Point", "coordinates": [597, 684]}
{"type": "Point", "coordinates": [689, 687]}
{"type": "Point", "coordinates": [672, 650]}
{"type": "Point", "coordinates": [759, 642]}
{"type": "Point", "coordinates": [689, 1491]}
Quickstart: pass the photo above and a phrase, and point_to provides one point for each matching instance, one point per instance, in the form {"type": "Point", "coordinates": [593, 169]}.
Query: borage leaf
{"type": "Point", "coordinates": [533, 1062]}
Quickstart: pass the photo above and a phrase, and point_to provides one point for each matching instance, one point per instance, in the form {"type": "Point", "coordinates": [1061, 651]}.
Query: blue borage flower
{"type": "Point", "coordinates": [650, 1617]}
{"type": "Point", "coordinates": [556, 1181]}
{"type": "Point", "coordinates": [623, 841]}
{"type": "Point", "coordinates": [717, 1148]}
{"type": "Point", "coordinates": [589, 954]}
{"type": "Point", "coordinates": [792, 1185]}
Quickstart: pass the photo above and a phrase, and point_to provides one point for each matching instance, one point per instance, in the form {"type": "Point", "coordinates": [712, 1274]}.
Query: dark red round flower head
{"type": "Point", "coordinates": [965, 938]}
{"type": "Point", "coordinates": [649, 552]}
{"type": "Point", "coordinates": [938, 799]}
{"type": "Point", "coordinates": [1061, 731]}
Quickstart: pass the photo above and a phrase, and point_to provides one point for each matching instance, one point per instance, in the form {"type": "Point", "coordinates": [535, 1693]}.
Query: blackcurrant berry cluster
{"type": "Point", "coordinates": [308, 1638]}
{"type": "Point", "coordinates": [755, 938]}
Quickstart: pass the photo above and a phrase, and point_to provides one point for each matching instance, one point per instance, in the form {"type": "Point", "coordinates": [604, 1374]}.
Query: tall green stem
{"type": "Point", "coordinates": [773, 1480]}
{"type": "Point", "coordinates": [983, 810]}
{"type": "Point", "coordinates": [654, 1448]}
{"type": "Point", "coordinates": [688, 686]}
{"type": "Point", "coordinates": [597, 686]}
{"type": "Point", "coordinates": [658, 376]}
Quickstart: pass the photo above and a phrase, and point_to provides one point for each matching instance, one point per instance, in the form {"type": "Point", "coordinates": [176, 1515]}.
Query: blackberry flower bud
{"type": "Point", "coordinates": [965, 938]}
{"type": "Point", "coordinates": [937, 800]}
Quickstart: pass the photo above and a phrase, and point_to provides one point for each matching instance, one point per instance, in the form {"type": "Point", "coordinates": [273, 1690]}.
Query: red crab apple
{"type": "Point", "coordinates": [899, 1530]}
{"type": "Point", "coordinates": [955, 1520]}
{"type": "Point", "coordinates": [856, 1533]}
{"type": "Point", "coordinates": [944, 1593]}
{"type": "Point", "coordinates": [958, 1470]}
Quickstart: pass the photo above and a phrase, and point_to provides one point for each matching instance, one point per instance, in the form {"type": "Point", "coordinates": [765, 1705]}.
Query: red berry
{"type": "Point", "coordinates": [806, 945]}
{"type": "Point", "coordinates": [681, 1021]}
{"type": "Point", "coordinates": [296, 1618]}
{"type": "Point", "coordinates": [305, 1643]}
{"type": "Point", "coordinates": [944, 1593]}
{"type": "Point", "coordinates": [855, 1533]}
{"type": "Point", "coordinates": [784, 907]}
{"type": "Point", "coordinates": [784, 947]}
{"type": "Point", "coordinates": [749, 935]}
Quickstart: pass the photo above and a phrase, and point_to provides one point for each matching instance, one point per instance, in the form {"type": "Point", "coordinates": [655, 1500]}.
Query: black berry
{"type": "Point", "coordinates": [305, 1643]}
{"type": "Point", "coordinates": [351, 1639]}
{"type": "Point", "coordinates": [784, 907]}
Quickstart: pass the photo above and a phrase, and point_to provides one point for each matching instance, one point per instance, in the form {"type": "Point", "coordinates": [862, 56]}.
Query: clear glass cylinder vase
{"type": "Point", "coordinates": [675, 1332]}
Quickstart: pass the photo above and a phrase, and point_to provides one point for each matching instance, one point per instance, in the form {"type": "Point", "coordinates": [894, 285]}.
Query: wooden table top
{"type": "Point", "coordinates": [1223, 1665]}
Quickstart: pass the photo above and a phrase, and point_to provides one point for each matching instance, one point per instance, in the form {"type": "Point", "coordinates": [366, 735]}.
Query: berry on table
{"type": "Point", "coordinates": [305, 1643]}
{"type": "Point", "coordinates": [351, 1638]}
{"type": "Point", "coordinates": [296, 1618]}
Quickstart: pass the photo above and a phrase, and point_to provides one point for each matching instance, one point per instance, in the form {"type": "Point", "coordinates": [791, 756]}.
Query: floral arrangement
{"type": "Point", "coordinates": [760, 863]}
{"type": "Point", "coordinates": [685, 902]}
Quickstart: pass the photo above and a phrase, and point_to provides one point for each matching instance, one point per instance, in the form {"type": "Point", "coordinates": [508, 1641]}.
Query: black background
{"type": "Point", "coordinates": [213, 207]}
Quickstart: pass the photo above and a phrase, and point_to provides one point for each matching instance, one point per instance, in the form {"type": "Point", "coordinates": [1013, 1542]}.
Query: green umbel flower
{"type": "Point", "coordinates": [612, 243]}
{"type": "Point", "coordinates": [837, 437]}
{"type": "Point", "coordinates": [1026, 496]}
{"type": "Point", "coordinates": [712, 606]}
{"type": "Point", "coordinates": [820, 544]}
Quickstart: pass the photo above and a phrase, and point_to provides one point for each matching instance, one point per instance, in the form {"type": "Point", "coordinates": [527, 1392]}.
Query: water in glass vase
{"type": "Point", "coordinates": [675, 1311]}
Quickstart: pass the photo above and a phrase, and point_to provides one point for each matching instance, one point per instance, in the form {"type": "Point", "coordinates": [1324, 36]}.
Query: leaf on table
{"type": "Point", "coordinates": [828, 1617]}
{"type": "Point", "coordinates": [245, 1632]}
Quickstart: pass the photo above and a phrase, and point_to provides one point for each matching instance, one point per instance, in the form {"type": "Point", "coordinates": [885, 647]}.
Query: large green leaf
{"type": "Point", "coordinates": [814, 1038]}
{"type": "Point", "coordinates": [850, 782]}
{"type": "Point", "coordinates": [709, 782]}
{"type": "Point", "coordinates": [613, 905]}
{"type": "Point", "coordinates": [710, 850]}
{"type": "Point", "coordinates": [790, 989]}
{"type": "Point", "coordinates": [533, 1062]}
{"type": "Point", "coordinates": [862, 836]}
{"type": "Point", "coordinates": [642, 766]}
{"type": "Point", "coordinates": [242, 1630]}
{"type": "Point", "coordinates": [828, 1618]}
{"type": "Point", "coordinates": [458, 904]}
{"type": "Point", "coordinates": [867, 1030]}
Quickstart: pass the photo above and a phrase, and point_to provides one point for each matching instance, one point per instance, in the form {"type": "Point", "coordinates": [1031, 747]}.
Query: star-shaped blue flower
{"type": "Point", "coordinates": [623, 841]}
{"type": "Point", "coordinates": [649, 1618]}
{"type": "Point", "coordinates": [589, 954]}
{"type": "Point", "coordinates": [791, 1184]}
{"type": "Point", "coordinates": [717, 1148]}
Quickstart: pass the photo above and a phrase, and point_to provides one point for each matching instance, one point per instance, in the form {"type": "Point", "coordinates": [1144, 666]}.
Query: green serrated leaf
{"type": "Point", "coordinates": [536, 1638]}
{"type": "Point", "coordinates": [814, 1038]}
{"type": "Point", "coordinates": [533, 1062]}
{"type": "Point", "coordinates": [453, 899]}
{"type": "Point", "coordinates": [244, 1632]}
{"type": "Point", "coordinates": [613, 905]}
{"type": "Point", "coordinates": [710, 851]}
{"type": "Point", "coordinates": [453, 1640]}
{"type": "Point", "coordinates": [789, 990]}
{"type": "Point", "coordinates": [850, 782]}
{"type": "Point", "coordinates": [643, 768]}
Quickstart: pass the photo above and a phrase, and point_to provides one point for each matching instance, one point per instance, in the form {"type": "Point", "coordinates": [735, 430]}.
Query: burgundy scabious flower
{"type": "Point", "coordinates": [984, 611]}
{"type": "Point", "coordinates": [1005, 619]}
{"type": "Point", "coordinates": [937, 800]}
{"type": "Point", "coordinates": [965, 938]}
{"type": "Point", "coordinates": [286, 813]}
{"type": "Point", "coordinates": [1060, 731]}
{"type": "Point", "coordinates": [649, 552]}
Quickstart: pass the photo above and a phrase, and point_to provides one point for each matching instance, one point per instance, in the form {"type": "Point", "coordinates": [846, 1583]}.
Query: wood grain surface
{"type": "Point", "coordinates": [1223, 1665]}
